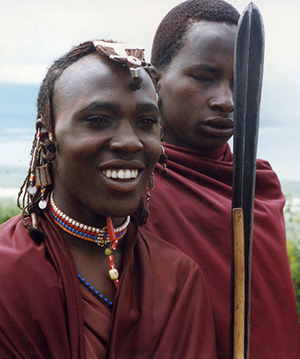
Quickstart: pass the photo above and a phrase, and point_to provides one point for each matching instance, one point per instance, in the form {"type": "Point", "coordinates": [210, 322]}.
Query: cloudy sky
{"type": "Point", "coordinates": [34, 32]}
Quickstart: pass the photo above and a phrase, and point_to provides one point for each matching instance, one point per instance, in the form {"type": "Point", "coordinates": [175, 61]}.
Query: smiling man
{"type": "Point", "coordinates": [193, 51]}
{"type": "Point", "coordinates": [80, 277]}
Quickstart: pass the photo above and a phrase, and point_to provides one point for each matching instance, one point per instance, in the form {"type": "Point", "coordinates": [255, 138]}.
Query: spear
{"type": "Point", "coordinates": [248, 71]}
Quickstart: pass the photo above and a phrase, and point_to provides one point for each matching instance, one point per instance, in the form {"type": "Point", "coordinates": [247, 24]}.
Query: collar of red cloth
{"type": "Point", "coordinates": [223, 153]}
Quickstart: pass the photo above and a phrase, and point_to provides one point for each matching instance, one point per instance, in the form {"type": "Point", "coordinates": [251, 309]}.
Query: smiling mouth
{"type": "Point", "coordinates": [121, 174]}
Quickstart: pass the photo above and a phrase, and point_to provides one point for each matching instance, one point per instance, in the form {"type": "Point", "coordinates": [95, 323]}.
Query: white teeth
{"type": "Point", "coordinates": [114, 174]}
{"type": "Point", "coordinates": [121, 174]}
{"type": "Point", "coordinates": [108, 173]}
{"type": "Point", "coordinates": [127, 174]}
{"type": "Point", "coordinates": [134, 173]}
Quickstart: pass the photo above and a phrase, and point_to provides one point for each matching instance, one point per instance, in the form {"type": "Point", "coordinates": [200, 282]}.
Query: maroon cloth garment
{"type": "Point", "coordinates": [191, 208]}
{"type": "Point", "coordinates": [161, 307]}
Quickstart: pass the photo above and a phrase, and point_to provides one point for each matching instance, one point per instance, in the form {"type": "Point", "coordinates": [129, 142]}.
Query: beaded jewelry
{"type": "Point", "coordinates": [39, 172]}
{"type": "Point", "coordinates": [163, 159]}
{"type": "Point", "coordinates": [101, 237]}
{"type": "Point", "coordinates": [92, 289]}
{"type": "Point", "coordinates": [130, 55]}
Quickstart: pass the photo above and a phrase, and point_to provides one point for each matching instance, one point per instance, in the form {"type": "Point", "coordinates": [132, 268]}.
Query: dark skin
{"type": "Point", "coordinates": [196, 89]}
{"type": "Point", "coordinates": [102, 126]}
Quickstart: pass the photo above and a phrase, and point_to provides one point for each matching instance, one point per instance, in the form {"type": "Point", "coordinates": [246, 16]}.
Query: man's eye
{"type": "Point", "coordinates": [97, 119]}
{"type": "Point", "coordinates": [147, 121]}
{"type": "Point", "coordinates": [203, 78]}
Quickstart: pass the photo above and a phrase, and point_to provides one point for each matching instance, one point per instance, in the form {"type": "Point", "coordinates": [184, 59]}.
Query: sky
{"type": "Point", "coordinates": [35, 32]}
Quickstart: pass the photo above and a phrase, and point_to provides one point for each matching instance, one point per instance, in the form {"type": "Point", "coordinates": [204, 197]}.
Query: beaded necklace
{"type": "Point", "coordinates": [96, 292]}
{"type": "Point", "coordinates": [101, 237]}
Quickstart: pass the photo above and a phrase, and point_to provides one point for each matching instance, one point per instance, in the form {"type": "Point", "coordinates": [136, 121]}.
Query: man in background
{"type": "Point", "coordinates": [193, 52]}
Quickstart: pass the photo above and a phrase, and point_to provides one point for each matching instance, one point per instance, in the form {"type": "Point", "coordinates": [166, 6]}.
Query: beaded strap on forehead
{"type": "Point", "coordinates": [130, 55]}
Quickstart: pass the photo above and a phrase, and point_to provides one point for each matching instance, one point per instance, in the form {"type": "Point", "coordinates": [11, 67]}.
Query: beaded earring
{"type": "Point", "coordinates": [38, 182]}
{"type": "Point", "coordinates": [142, 212]}
{"type": "Point", "coordinates": [150, 186]}
{"type": "Point", "coordinates": [39, 169]}
{"type": "Point", "coordinates": [163, 159]}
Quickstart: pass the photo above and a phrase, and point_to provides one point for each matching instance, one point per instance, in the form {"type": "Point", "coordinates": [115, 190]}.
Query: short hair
{"type": "Point", "coordinates": [169, 36]}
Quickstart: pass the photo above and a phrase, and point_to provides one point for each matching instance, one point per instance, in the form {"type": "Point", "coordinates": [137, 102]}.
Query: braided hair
{"type": "Point", "coordinates": [44, 101]}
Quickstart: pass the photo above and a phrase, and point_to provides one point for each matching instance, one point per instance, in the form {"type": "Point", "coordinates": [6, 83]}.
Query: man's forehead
{"type": "Point", "coordinates": [210, 32]}
{"type": "Point", "coordinates": [90, 62]}
{"type": "Point", "coordinates": [96, 74]}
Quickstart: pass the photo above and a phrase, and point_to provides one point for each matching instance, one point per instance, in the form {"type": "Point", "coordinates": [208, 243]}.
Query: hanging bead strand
{"type": "Point", "coordinates": [113, 272]}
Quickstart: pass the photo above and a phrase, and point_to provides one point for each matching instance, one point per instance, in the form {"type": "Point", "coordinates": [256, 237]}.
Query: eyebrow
{"type": "Point", "coordinates": [99, 105]}
{"type": "Point", "coordinates": [147, 107]}
{"type": "Point", "coordinates": [205, 67]}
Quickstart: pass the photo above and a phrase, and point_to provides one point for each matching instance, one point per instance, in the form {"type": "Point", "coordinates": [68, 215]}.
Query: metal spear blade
{"type": "Point", "coordinates": [248, 71]}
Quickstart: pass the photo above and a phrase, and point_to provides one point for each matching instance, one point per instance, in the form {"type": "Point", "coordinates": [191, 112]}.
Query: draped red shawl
{"type": "Point", "coordinates": [161, 306]}
{"type": "Point", "coordinates": [191, 208]}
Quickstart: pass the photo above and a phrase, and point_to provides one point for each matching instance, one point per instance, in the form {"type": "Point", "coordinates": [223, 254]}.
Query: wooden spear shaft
{"type": "Point", "coordinates": [239, 284]}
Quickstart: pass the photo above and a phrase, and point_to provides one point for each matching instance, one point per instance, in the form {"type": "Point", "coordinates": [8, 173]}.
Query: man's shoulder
{"type": "Point", "coordinates": [19, 253]}
{"type": "Point", "coordinates": [13, 234]}
{"type": "Point", "coordinates": [166, 251]}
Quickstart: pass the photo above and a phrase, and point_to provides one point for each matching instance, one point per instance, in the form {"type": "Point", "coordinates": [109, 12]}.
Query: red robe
{"type": "Point", "coordinates": [191, 208]}
{"type": "Point", "coordinates": [161, 308]}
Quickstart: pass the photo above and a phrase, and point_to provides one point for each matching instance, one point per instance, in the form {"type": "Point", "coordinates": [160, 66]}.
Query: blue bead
{"type": "Point", "coordinates": [89, 236]}
{"type": "Point", "coordinates": [84, 234]}
{"type": "Point", "coordinates": [73, 230]}
{"type": "Point", "coordinates": [69, 228]}
{"type": "Point", "coordinates": [95, 292]}
{"type": "Point", "coordinates": [76, 231]}
{"type": "Point", "coordinates": [80, 233]}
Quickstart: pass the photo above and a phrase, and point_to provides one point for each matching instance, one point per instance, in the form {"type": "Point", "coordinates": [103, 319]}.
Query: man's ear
{"type": "Point", "coordinates": [155, 75]}
{"type": "Point", "coordinates": [46, 139]}
{"type": "Point", "coordinates": [46, 134]}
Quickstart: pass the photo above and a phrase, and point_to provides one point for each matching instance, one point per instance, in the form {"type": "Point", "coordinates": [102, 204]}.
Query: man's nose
{"type": "Point", "coordinates": [126, 138]}
{"type": "Point", "coordinates": [222, 99]}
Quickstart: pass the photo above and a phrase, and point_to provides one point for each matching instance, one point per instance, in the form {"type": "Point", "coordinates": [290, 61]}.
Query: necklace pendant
{"type": "Point", "coordinates": [113, 274]}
